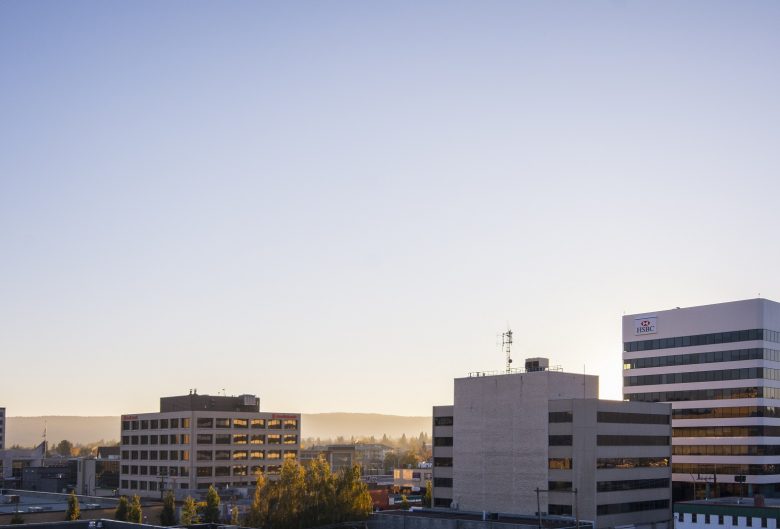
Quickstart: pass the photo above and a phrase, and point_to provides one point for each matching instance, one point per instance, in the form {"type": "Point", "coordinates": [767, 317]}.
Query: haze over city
{"type": "Point", "coordinates": [340, 206]}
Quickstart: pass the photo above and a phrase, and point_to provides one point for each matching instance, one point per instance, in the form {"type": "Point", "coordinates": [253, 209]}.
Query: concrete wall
{"type": "Point", "coordinates": [501, 437]}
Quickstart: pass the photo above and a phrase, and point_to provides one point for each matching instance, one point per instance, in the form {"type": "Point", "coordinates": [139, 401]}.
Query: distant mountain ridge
{"type": "Point", "coordinates": [28, 431]}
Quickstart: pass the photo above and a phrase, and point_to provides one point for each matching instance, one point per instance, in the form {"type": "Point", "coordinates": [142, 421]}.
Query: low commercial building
{"type": "Point", "coordinates": [196, 441]}
{"type": "Point", "coordinates": [727, 513]}
{"type": "Point", "coordinates": [541, 437]}
{"type": "Point", "coordinates": [13, 461]}
{"type": "Point", "coordinates": [412, 480]}
{"type": "Point", "coordinates": [339, 456]}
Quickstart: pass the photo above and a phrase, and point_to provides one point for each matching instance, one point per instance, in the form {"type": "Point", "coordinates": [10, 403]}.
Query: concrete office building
{"type": "Point", "coordinates": [195, 441]}
{"type": "Point", "coordinates": [2, 428]}
{"type": "Point", "coordinates": [719, 366]}
{"type": "Point", "coordinates": [508, 434]}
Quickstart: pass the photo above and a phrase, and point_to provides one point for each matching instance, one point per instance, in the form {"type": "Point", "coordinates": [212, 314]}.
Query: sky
{"type": "Point", "coordinates": [340, 206]}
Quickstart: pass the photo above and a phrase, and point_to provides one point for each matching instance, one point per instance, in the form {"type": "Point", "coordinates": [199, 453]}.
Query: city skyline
{"type": "Point", "coordinates": [342, 207]}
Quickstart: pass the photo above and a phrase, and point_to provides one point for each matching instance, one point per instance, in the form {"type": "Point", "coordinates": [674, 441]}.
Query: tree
{"type": "Point", "coordinates": [17, 519]}
{"type": "Point", "coordinates": [135, 514]}
{"type": "Point", "coordinates": [73, 512]}
{"type": "Point", "coordinates": [234, 515]}
{"type": "Point", "coordinates": [188, 512]}
{"type": "Point", "coordinates": [404, 502]}
{"type": "Point", "coordinates": [211, 512]}
{"type": "Point", "coordinates": [428, 498]}
{"type": "Point", "coordinates": [258, 511]}
{"type": "Point", "coordinates": [64, 448]}
{"type": "Point", "coordinates": [168, 513]}
{"type": "Point", "coordinates": [122, 509]}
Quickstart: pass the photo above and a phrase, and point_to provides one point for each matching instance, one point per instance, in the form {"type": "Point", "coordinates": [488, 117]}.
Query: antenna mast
{"type": "Point", "coordinates": [506, 345]}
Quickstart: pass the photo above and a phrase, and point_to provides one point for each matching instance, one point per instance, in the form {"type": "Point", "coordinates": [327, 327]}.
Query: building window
{"type": "Point", "coordinates": [442, 461]}
{"type": "Point", "coordinates": [154, 424]}
{"type": "Point", "coordinates": [632, 462]}
{"type": "Point", "coordinates": [240, 439]}
{"type": "Point", "coordinates": [559, 485]}
{"type": "Point", "coordinates": [560, 463]}
{"type": "Point", "coordinates": [222, 439]}
{"type": "Point", "coordinates": [204, 455]}
{"type": "Point", "coordinates": [222, 455]}
{"type": "Point", "coordinates": [163, 424]}
{"type": "Point", "coordinates": [442, 482]}
{"type": "Point", "coordinates": [290, 424]}
{"type": "Point", "coordinates": [256, 454]}
{"type": "Point", "coordinates": [257, 439]}
{"type": "Point", "coordinates": [274, 454]}
{"type": "Point", "coordinates": [635, 506]}
{"type": "Point", "coordinates": [221, 471]}
{"type": "Point", "coordinates": [204, 472]}
{"type": "Point", "coordinates": [144, 425]}
{"type": "Point", "coordinates": [443, 421]}
{"type": "Point", "coordinates": [290, 439]}
{"type": "Point", "coordinates": [205, 439]}
{"type": "Point", "coordinates": [442, 441]}
{"type": "Point", "coordinates": [240, 470]}
{"type": "Point", "coordinates": [559, 510]}
{"type": "Point", "coordinates": [290, 454]}
{"type": "Point", "coordinates": [632, 418]}
{"type": "Point", "coordinates": [240, 454]}
{"type": "Point", "coordinates": [274, 439]}
{"type": "Point", "coordinates": [205, 422]}
{"type": "Point", "coordinates": [559, 416]}
{"type": "Point", "coordinates": [223, 423]}
{"type": "Point", "coordinates": [632, 440]}
{"type": "Point", "coordinates": [240, 423]}
{"type": "Point", "coordinates": [559, 440]}
{"type": "Point", "coordinates": [258, 423]}
{"type": "Point", "coordinates": [274, 424]}
{"type": "Point", "coordinates": [185, 423]}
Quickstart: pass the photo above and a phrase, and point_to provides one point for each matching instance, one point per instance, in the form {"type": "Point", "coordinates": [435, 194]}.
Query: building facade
{"type": "Point", "coordinates": [196, 441]}
{"type": "Point", "coordinates": [517, 440]}
{"type": "Point", "coordinates": [2, 428]}
{"type": "Point", "coordinates": [719, 366]}
{"type": "Point", "coordinates": [726, 513]}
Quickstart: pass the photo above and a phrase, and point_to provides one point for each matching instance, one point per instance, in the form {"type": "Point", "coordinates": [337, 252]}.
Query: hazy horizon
{"type": "Point", "coordinates": [340, 206]}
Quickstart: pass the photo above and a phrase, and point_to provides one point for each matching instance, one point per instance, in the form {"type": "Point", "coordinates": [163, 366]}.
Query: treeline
{"type": "Point", "coordinates": [309, 496]}
{"type": "Point", "coordinates": [400, 443]}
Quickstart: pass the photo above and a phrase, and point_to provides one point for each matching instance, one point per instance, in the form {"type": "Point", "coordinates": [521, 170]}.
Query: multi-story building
{"type": "Point", "coordinates": [2, 428]}
{"type": "Point", "coordinates": [516, 440]}
{"type": "Point", "coordinates": [727, 513]}
{"type": "Point", "coordinates": [412, 480]}
{"type": "Point", "coordinates": [195, 441]}
{"type": "Point", "coordinates": [719, 366]}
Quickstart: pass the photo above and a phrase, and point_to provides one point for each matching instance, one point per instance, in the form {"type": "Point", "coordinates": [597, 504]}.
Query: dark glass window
{"type": "Point", "coordinates": [559, 416]}
{"type": "Point", "coordinates": [442, 441]}
{"type": "Point", "coordinates": [205, 422]}
{"type": "Point", "coordinates": [559, 440]}
{"type": "Point", "coordinates": [634, 506]}
{"type": "Point", "coordinates": [632, 418]}
{"type": "Point", "coordinates": [703, 339]}
{"type": "Point", "coordinates": [442, 461]}
{"type": "Point", "coordinates": [632, 462]}
{"type": "Point", "coordinates": [442, 482]}
{"type": "Point", "coordinates": [560, 463]}
{"type": "Point", "coordinates": [633, 440]}
{"type": "Point", "coordinates": [442, 421]}
{"type": "Point", "coordinates": [559, 485]}
{"type": "Point", "coordinates": [559, 510]}
{"type": "Point", "coordinates": [632, 484]}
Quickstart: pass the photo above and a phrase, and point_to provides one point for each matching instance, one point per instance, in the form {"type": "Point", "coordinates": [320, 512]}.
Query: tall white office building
{"type": "Point", "coordinates": [719, 366]}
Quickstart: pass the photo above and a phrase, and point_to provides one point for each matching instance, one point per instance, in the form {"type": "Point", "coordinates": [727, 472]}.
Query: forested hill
{"type": "Point", "coordinates": [28, 431]}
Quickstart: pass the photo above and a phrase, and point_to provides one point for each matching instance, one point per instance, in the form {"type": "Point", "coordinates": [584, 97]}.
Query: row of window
{"type": "Point", "coordinates": [153, 455]}
{"type": "Point", "coordinates": [154, 424]}
{"type": "Point", "coordinates": [632, 484]}
{"type": "Point", "coordinates": [705, 394]}
{"type": "Point", "coordinates": [612, 417]}
{"type": "Point", "coordinates": [703, 376]}
{"type": "Point", "coordinates": [565, 486]}
{"type": "Point", "coordinates": [726, 413]}
{"type": "Point", "coordinates": [614, 440]}
{"type": "Point", "coordinates": [225, 455]}
{"type": "Point", "coordinates": [442, 441]}
{"type": "Point", "coordinates": [726, 450]}
{"type": "Point", "coordinates": [634, 506]}
{"type": "Point", "coordinates": [726, 431]}
{"type": "Point", "coordinates": [707, 468]}
{"type": "Point", "coordinates": [722, 519]}
{"type": "Point", "coordinates": [164, 439]}
{"type": "Point", "coordinates": [756, 353]}
{"type": "Point", "coordinates": [442, 482]}
{"type": "Point", "coordinates": [442, 461]}
{"type": "Point", "coordinates": [210, 422]}
{"type": "Point", "coordinates": [144, 485]}
{"type": "Point", "coordinates": [152, 470]}
{"type": "Point", "coordinates": [442, 421]}
{"type": "Point", "coordinates": [703, 339]}
{"type": "Point", "coordinates": [632, 462]}
{"type": "Point", "coordinates": [559, 510]}
{"type": "Point", "coordinates": [207, 438]}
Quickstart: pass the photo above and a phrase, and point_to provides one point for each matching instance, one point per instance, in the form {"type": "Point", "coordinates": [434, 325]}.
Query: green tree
{"type": "Point", "coordinates": [234, 515]}
{"type": "Point", "coordinates": [168, 513]}
{"type": "Point", "coordinates": [428, 498]}
{"type": "Point", "coordinates": [64, 448]}
{"type": "Point", "coordinates": [122, 509]}
{"type": "Point", "coordinates": [211, 512]}
{"type": "Point", "coordinates": [258, 511]}
{"type": "Point", "coordinates": [17, 519]}
{"type": "Point", "coordinates": [73, 512]}
{"type": "Point", "coordinates": [135, 514]}
{"type": "Point", "coordinates": [189, 512]}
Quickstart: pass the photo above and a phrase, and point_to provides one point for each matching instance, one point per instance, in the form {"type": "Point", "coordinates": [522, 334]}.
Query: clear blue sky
{"type": "Point", "coordinates": [339, 205]}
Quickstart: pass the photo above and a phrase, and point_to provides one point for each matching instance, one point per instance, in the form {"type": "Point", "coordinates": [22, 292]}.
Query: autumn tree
{"type": "Point", "coordinates": [64, 448]}
{"type": "Point", "coordinates": [73, 512]}
{"type": "Point", "coordinates": [258, 511]}
{"type": "Point", "coordinates": [122, 509]}
{"type": "Point", "coordinates": [211, 511]}
{"type": "Point", "coordinates": [189, 512]}
{"type": "Point", "coordinates": [168, 513]}
{"type": "Point", "coordinates": [428, 498]}
{"type": "Point", "coordinates": [135, 514]}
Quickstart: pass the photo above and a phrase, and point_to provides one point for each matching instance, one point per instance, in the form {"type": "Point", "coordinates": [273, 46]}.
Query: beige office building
{"type": "Point", "coordinates": [509, 434]}
{"type": "Point", "coordinates": [195, 441]}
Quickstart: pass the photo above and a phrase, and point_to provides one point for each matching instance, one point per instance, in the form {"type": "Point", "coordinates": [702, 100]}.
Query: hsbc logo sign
{"type": "Point", "coordinates": [645, 325]}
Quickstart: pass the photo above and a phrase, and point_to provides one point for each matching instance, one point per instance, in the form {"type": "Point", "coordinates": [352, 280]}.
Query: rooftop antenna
{"type": "Point", "coordinates": [506, 345]}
